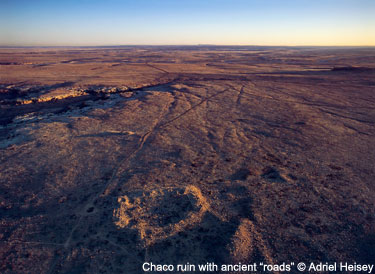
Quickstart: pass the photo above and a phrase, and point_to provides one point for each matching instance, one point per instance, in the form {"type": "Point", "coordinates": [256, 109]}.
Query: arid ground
{"type": "Point", "coordinates": [112, 157]}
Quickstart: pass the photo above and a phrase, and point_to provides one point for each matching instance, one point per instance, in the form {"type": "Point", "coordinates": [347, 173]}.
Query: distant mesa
{"type": "Point", "coordinates": [353, 69]}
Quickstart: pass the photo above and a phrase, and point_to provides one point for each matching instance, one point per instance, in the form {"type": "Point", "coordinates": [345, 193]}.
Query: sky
{"type": "Point", "coordinates": [187, 22]}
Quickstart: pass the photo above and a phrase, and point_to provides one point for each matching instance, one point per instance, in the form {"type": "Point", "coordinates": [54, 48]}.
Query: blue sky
{"type": "Point", "coordinates": [234, 22]}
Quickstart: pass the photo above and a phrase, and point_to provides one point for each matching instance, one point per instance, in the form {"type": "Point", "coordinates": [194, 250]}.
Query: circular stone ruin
{"type": "Point", "coordinates": [161, 213]}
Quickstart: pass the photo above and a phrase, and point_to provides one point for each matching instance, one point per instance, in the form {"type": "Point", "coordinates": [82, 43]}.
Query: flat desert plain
{"type": "Point", "coordinates": [115, 156]}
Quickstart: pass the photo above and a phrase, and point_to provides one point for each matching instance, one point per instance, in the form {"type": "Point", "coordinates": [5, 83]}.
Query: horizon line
{"type": "Point", "coordinates": [178, 45]}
